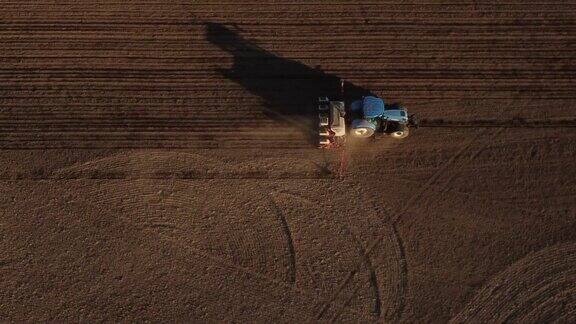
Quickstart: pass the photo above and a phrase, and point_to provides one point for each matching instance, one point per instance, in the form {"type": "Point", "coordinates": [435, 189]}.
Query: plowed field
{"type": "Point", "coordinates": [158, 164]}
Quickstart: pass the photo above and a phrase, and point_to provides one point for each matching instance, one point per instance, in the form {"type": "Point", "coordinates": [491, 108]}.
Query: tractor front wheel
{"type": "Point", "coordinates": [401, 132]}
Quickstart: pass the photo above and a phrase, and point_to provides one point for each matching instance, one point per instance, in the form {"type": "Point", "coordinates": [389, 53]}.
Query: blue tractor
{"type": "Point", "coordinates": [364, 118]}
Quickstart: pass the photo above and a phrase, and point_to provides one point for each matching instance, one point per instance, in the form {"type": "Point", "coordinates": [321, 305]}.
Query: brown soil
{"type": "Point", "coordinates": [156, 162]}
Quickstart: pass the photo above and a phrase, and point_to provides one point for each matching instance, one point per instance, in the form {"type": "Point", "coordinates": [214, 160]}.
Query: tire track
{"type": "Point", "coordinates": [365, 258]}
{"type": "Point", "coordinates": [287, 236]}
{"type": "Point", "coordinates": [528, 290]}
{"type": "Point", "coordinates": [397, 309]}
{"type": "Point", "coordinates": [345, 305]}
{"type": "Point", "coordinates": [436, 175]}
{"type": "Point", "coordinates": [399, 283]}
{"type": "Point", "coordinates": [393, 311]}
{"type": "Point", "coordinates": [377, 309]}
{"type": "Point", "coordinates": [397, 241]}
{"type": "Point", "coordinates": [403, 282]}
{"type": "Point", "coordinates": [473, 156]}
{"type": "Point", "coordinates": [102, 195]}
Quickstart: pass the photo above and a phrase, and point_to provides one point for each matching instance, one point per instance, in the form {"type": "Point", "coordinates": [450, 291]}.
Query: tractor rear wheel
{"type": "Point", "coordinates": [362, 132]}
{"type": "Point", "coordinates": [362, 128]}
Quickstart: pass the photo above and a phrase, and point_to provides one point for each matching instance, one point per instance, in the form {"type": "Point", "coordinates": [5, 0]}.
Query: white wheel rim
{"type": "Point", "coordinates": [399, 134]}
{"type": "Point", "coordinates": [361, 131]}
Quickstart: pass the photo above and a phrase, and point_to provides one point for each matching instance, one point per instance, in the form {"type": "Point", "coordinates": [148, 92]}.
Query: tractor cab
{"type": "Point", "coordinates": [371, 116]}
{"type": "Point", "coordinates": [363, 118]}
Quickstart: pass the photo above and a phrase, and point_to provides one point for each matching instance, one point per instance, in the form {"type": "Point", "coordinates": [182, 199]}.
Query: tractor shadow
{"type": "Point", "coordinates": [289, 89]}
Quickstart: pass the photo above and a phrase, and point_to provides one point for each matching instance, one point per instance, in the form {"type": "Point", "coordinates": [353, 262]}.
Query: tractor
{"type": "Point", "coordinates": [364, 118]}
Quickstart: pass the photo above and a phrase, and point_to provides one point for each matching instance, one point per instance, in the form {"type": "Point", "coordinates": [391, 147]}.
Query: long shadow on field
{"type": "Point", "coordinates": [289, 88]}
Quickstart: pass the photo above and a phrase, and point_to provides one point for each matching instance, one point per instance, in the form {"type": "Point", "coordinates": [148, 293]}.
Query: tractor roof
{"type": "Point", "coordinates": [373, 107]}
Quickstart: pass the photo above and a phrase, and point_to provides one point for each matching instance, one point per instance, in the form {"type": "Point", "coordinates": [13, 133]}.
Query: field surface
{"type": "Point", "coordinates": [157, 164]}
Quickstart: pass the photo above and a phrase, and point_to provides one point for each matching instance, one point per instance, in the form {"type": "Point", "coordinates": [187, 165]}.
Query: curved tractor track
{"type": "Point", "coordinates": [538, 288]}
